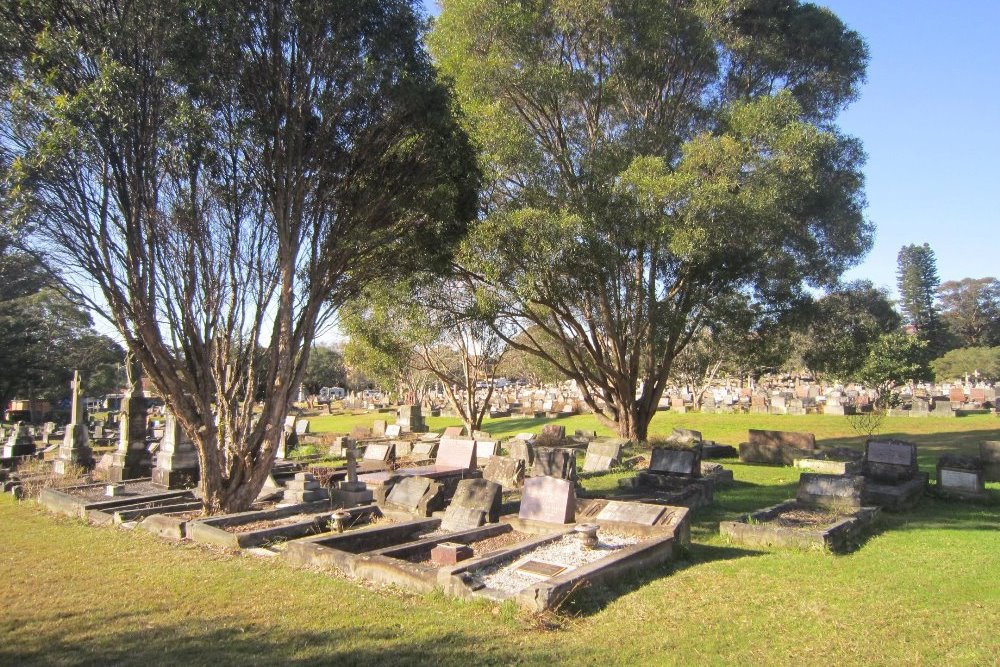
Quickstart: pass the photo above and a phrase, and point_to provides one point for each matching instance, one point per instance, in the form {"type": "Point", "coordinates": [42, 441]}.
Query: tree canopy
{"type": "Point", "coordinates": [978, 362]}
{"type": "Point", "coordinates": [970, 308]}
{"type": "Point", "coordinates": [648, 163]}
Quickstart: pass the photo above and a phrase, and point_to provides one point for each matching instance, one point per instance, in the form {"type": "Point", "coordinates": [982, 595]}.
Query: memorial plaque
{"type": "Point", "coordinates": [641, 513]}
{"type": "Point", "coordinates": [960, 479]}
{"type": "Point", "coordinates": [548, 499]}
{"type": "Point", "coordinates": [674, 461]}
{"type": "Point", "coordinates": [541, 569]}
{"type": "Point", "coordinates": [893, 453]}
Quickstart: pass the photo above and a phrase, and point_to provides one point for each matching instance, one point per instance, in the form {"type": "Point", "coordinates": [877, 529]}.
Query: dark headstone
{"type": "Point", "coordinates": [476, 501]}
{"type": "Point", "coordinates": [686, 462]}
{"type": "Point", "coordinates": [555, 462]}
{"type": "Point", "coordinates": [890, 460]}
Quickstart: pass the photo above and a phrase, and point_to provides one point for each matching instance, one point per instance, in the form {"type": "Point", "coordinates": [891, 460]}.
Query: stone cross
{"type": "Point", "coordinates": [76, 408]}
{"type": "Point", "coordinates": [352, 464]}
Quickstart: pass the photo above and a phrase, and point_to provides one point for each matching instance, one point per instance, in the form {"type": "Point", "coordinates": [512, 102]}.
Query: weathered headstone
{"type": "Point", "coordinates": [378, 428]}
{"type": "Point", "coordinates": [392, 431]}
{"type": "Point", "coordinates": [626, 512]}
{"type": "Point", "coordinates": [453, 432]}
{"type": "Point", "coordinates": [505, 471]}
{"type": "Point", "coordinates": [686, 435]}
{"type": "Point", "coordinates": [554, 431]}
{"type": "Point", "coordinates": [838, 491]}
{"type": "Point", "coordinates": [176, 459]}
{"type": "Point", "coordinates": [602, 455]}
{"type": "Point", "coordinates": [548, 499]}
{"type": "Point", "coordinates": [781, 447]}
{"type": "Point", "coordinates": [476, 501]}
{"type": "Point", "coordinates": [416, 495]}
{"type": "Point", "coordinates": [989, 453]}
{"type": "Point", "coordinates": [890, 460]}
{"type": "Point", "coordinates": [131, 460]}
{"type": "Point", "coordinates": [301, 427]}
{"type": "Point", "coordinates": [521, 449]}
{"type": "Point", "coordinates": [555, 462]}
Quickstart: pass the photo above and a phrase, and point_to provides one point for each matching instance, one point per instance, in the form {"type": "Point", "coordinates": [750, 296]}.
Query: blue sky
{"type": "Point", "coordinates": [928, 119]}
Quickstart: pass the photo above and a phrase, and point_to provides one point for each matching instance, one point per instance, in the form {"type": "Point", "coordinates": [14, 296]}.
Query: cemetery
{"type": "Point", "coordinates": [474, 332]}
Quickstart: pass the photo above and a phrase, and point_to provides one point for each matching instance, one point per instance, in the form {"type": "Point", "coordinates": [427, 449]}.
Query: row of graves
{"type": "Point", "coordinates": [839, 500]}
{"type": "Point", "coordinates": [428, 511]}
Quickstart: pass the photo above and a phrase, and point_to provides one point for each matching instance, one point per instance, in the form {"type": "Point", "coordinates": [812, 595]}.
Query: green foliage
{"type": "Point", "coordinates": [842, 327]}
{"type": "Point", "coordinates": [325, 368]}
{"type": "Point", "coordinates": [894, 359]}
{"type": "Point", "coordinates": [958, 363]}
{"type": "Point", "coordinates": [970, 308]}
{"type": "Point", "coordinates": [917, 281]}
{"type": "Point", "coordinates": [647, 165]}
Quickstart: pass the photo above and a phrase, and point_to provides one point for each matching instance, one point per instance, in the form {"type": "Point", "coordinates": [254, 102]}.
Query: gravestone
{"type": "Point", "coordinates": [131, 460]}
{"type": "Point", "coordinates": [457, 453]}
{"type": "Point", "coordinates": [176, 458]}
{"type": "Point", "coordinates": [378, 428]}
{"type": "Point", "coordinates": [989, 454]}
{"type": "Point", "coordinates": [20, 442]}
{"type": "Point", "coordinates": [410, 419]}
{"type": "Point", "coordinates": [453, 432]}
{"type": "Point", "coordinates": [956, 395]}
{"type": "Point", "coordinates": [625, 512]}
{"type": "Point", "coordinates": [523, 450]}
{"type": "Point", "coordinates": [554, 431]}
{"type": "Point", "coordinates": [890, 460]}
{"type": "Point", "coordinates": [780, 447]}
{"type": "Point", "coordinates": [943, 408]}
{"type": "Point", "coordinates": [920, 407]}
{"type": "Point", "coordinates": [684, 462]}
{"type": "Point", "coordinates": [677, 405]}
{"type": "Point", "coordinates": [416, 495]}
{"type": "Point", "coordinates": [476, 502]}
{"type": "Point", "coordinates": [961, 476]}
{"type": "Point", "coordinates": [393, 431]}
{"type": "Point", "coordinates": [75, 449]}
{"type": "Point", "coordinates": [505, 471]}
{"type": "Point", "coordinates": [381, 451]}
{"type": "Point", "coordinates": [486, 449]}
{"type": "Point", "coordinates": [360, 433]}
{"type": "Point", "coordinates": [686, 435]}
{"type": "Point", "coordinates": [556, 462]}
{"type": "Point", "coordinates": [602, 455]}
{"type": "Point", "coordinates": [548, 499]}
{"type": "Point", "coordinates": [834, 491]}
{"type": "Point", "coordinates": [424, 449]}
{"type": "Point", "coordinates": [303, 488]}
{"type": "Point", "coordinates": [302, 427]}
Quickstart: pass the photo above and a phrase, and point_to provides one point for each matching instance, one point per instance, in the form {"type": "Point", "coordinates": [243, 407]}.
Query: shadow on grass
{"type": "Point", "coordinates": [100, 639]}
{"type": "Point", "coordinates": [519, 424]}
{"type": "Point", "coordinates": [934, 513]}
{"type": "Point", "coordinates": [588, 601]}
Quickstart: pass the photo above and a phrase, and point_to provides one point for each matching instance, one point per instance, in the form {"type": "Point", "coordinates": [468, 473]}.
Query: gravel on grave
{"type": "Point", "coordinates": [269, 523]}
{"type": "Point", "coordinates": [479, 547]}
{"type": "Point", "coordinates": [566, 551]}
{"type": "Point", "coordinates": [99, 491]}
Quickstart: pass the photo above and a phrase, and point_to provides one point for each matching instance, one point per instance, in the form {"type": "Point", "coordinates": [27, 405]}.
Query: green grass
{"type": "Point", "coordinates": [925, 589]}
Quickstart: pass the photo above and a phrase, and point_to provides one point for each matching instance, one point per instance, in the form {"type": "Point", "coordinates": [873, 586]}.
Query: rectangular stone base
{"type": "Point", "coordinates": [175, 479]}
{"type": "Point", "coordinates": [829, 467]}
{"type": "Point", "coordinates": [758, 529]}
{"type": "Point", "coordinates": [773, 454]}
{"type": "Point", "coordinates": [896, 497]}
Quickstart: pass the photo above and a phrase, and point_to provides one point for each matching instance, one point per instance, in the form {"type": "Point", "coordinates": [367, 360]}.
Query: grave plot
{"type": "Point", "coordinates": [247, 530]}
{"type": "Point", "coordinates": [119, 502]}
{"type": "Point", "coordinates": [828, 513]}
{"type": "Point", "coordinates": [895, 483]}
{"type": "Point", "coordinates": [777, 447]}
{"type": "Point", "coordinates": [678, 476]}
{"type": "Point", "coordinates": [541, 573]}
{"type": "Point", "coordinates": [455, 461]}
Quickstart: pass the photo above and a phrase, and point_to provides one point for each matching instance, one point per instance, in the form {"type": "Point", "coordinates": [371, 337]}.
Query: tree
{"type": "Point", "coordinates": [531, 367]}
{"type": "Point", "coordinates": [842, 327]}
{"type": "Point", "coordinates": [894, 359]}
{"type": "Point", "coordinates": [917, 281]}
{"type": "Point", "coordinates": [980, 362]}
{"type": "Point", "coordinates": [442, 328]}
{"type": "Point", "coordinates": [225, 174]}
{"type": "Point", "coordinates": [647, 163]}
{"type": "Point", "coordinates": [44, 337]}
{"type": "Point", "coordinates": [324, 369]}
{"type": "Point", "coordinates": [970, 308]}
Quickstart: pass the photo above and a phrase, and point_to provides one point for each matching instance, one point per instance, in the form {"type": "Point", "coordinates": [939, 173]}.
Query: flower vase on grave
{"type": "Point", "coordinates": [75, 449]}
{"type": "Point", "coordinates": [176, 459]}
{"type": "Point", "coordinates": [131, 460]}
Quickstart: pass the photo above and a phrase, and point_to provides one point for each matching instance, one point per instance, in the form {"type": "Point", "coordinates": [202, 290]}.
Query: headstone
{"type": "Point", "coordinates": [602, 455]}
{"type": "Point", "coordinates": [302, 427]}
{"type": "Point", "coordinates": [410, 419]}
{"type": "Point", "coordinates": [75, 449]}
{"type": "Point", "coordinates": [554, 431]}
{"type": "Point", "coordinates": [378, 428]}
{"type": "Point", "coordinates": [831, 490]}
{"type": "Point", "coordinates": [890, 460]}
{"type": "Point", "coordinates": [556, 462]}
{"type": "Point", "coordinates": [521, 449]}
{"type": "Point", "coordinates": [956, 395]}
{"type": "Point", "coordinates": [686, 462]}
{"type": "Point", "coordinates": [424, 449]}
{"type": "Point", "coordinates": [505, 471]}
{"type": "Point", "coordinates": [303, 488]}
{"type": "Point", "coordinates": [686, 435]}
{"type": "Point", "coordinates": [677, 405]}
{"type": "Point", "coordinates": [626, 512]}
{"type": "Point", "coordinates": [476, 502]}
{"type": "Point", "coordinates": [392, 431]}
{"type": "Point", "coordinates": [456, 453]}
{"type": "Point", "coordinates": [548, 499]}
{"type": "Point", "coordinates": [383, 452]}
{"type": "Point", "coordinates": [989, 454]}
{"type": "Point", "coordinates": [360, 433]}
{"type": "Point", "coordinates": [486, 449]}
{"type": "Point", "coordinates": [131, 460]}
{"type": "Point", "coordinates": [416, 495]}
{"type": "Point", "coordinates": [20, 442]}
{"type": "Point", "coordinates": [176, 459]}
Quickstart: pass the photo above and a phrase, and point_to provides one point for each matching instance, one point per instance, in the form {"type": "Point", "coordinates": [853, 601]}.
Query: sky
{"type": "Point", "coordinates": [927, 117]}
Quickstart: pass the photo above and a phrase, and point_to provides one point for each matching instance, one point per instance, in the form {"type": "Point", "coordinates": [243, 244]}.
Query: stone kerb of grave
{"type": "Point", "coordinates": [506, 471]}
{"type": "Point", "coordinates": [548, 500]}
{"type": "Point", "coordinates": [555, 462]}
{"type": "Point", "coordinates": [476, 502]}
{"type": "Point", "coordinates": [777, 447]}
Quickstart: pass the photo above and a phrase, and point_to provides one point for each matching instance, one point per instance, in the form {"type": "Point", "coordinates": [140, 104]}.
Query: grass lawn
{"type": "Point", "coordinates": [924, 590]}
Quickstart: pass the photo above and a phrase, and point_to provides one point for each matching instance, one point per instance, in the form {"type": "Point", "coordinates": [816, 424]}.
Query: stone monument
{"type": "Point", "coordinates": [176, 459]}
{"type": "Point", "coordinates": [131, 460]}
{"type": "Point", "coordinates": [75, 448]}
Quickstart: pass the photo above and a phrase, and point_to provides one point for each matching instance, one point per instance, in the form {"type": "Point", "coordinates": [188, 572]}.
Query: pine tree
{"type": "Point", "coordinates": [917, 281]}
